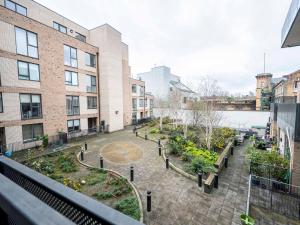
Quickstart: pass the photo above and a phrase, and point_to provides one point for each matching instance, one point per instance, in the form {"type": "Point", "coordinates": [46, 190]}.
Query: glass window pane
{"type": "Point", "coordinates": [36, 98]}
{"type": "Point", "coordinates": [63, 29]}
{"type": "Point", "coordinates": [87, 59]}
{"type": "Point", "coordinates": [37, 130]}
{"type": "Point", "coordinates": [10, 5]}
{"type": "Point", "coordinates": [75, 101]}
{"type": "Point", "coordinates": [74, 79]}
{"type": "Point", "coordinates": [55, 26]}
{"type": "Point", "coordinates": [1, 103]}
{"type": "Point", "coordinates": [73, 53]}
{"type": "Point", "coordinates": [21, 41]}
{"type": "Point", "coordinates": [27, 132]}
{"type": "Point", "coordinates": [32, 39]}
{"type": "Point", "coordinates": [69, 105]}
{"type": "Point", "coordinates": [32, 52]}
{"type": "Point", "coordinates": [24, 98]}
{"type": "Point", "coordinates": [34, 72]}
{"type": "Point", "coordinates": [23, 69]}
{"type": "Point", "coordinates": [67, 55]}
{"type": "Point", "coordinates": [74, 62]}
{"type": "Point", "coordinates": [22, 10]}
{"type": "Point", "coordinates": [93, 80]}
{"type": "Point", "coordinates": [76, 123]}
{"type": "Point", "coordinates": [70, 123]}
{"type": "Point", "coordinates": [68, 78]}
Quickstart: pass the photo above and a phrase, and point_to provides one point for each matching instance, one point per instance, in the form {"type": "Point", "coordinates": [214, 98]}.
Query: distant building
{"type": "Point", "coordinates": [263, 91]}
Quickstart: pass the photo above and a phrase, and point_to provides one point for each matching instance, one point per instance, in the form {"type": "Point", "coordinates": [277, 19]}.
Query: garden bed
{"type": "Point", "coordinates": [101, 185]}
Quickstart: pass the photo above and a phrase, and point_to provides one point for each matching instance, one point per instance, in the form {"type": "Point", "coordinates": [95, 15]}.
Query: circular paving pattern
{"type": "Point", "coordinates": [121, 152]}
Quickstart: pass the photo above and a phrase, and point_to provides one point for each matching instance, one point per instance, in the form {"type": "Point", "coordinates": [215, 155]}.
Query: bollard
{"type": "Point", "coordinates": [85, 146]}
{"type": "Point", "coordinates": [148, 201]}
{"type": "Point", "coordinates": [226, 162]}
{"type": "Point", "coordinates": [216, 183]}
{"type": "Point", "coordinates": [159, 151]}
{"type": "Point", "coordinates": [146, 137]}
{"type": "Point", "coordinates": [167, 162]}
{"type": "Point", "coordinates": [158, 142]}
{"type": "Point", "coordinates": [231, 150]}
{"type": "Point", "coordinates": [131, 174]}
{"type": "Point", "coordinates": [101, 162]}
{"type": "Point", "coordinates": [136, 133]}
{"type": "Point", "coordinates": [81, 155]}
{"type": "Point", "coordinates": [199, 179]}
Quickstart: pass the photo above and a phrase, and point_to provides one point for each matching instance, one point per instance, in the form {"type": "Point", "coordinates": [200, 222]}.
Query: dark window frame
{"type": "Point", "coordinates": [70, 56]}
{"type": "Point", "coordinates": [15, 4]}
{"type": "Point", "coordinates": [134, 85]}
{"type": "Point", "coordinates": [81, 36]}
{"type": "Point", "coordinates": [41, 107]}
{"type": "Point", "coordinates": [73, 130]}
{"type": "Point", "coordinates": [67, 83]}
{"type": "Point", "coordinates": [59, 27]}
{"type": "Point", "coordinates": [34, 138]}
{"type": "Point", "coordinates": [91, 85]}
{"type": "Point", "coordinates": [27, 43]}
{"type": "Point", "coordinates": [89, 56]}
{"type": "Point", "coordinates": [28, 71]}
{"type": "Point", "coordinates": [1, 103]}
{"type": "Point", "coordinates": [72, 106]}
{"type": "Point", "coordinates": [91, 106]}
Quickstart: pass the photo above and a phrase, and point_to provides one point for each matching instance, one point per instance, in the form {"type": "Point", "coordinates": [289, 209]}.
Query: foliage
{"type": "Point", "coordinates": [166, 120]}
{"type": "Point", "coordinates": [268, 163]}
{"type": "Point", "coordinates": [260, 144]}
{"type": "Point", "coordinates": [57, 176]}
{"type": "Point", "coordinates": [129, 206]}
{"type": "Point", "coordinates": [192, 152]}
{"type": "Point", "coordinates": [220, 136]}
{"type": "Point", "coordinates": [200, 164]}
{"type": "Point", "coordinates": [72, 184]}
{"type": "Point", "coordinates": [96, 176]}
{"type": "Point", "coordinates": [67, 163]}
{"type": "Point", "coordinates": [43, 165]}
{"type": "Point", "coordinates": [45, 140]}
{"type": "Point", "coordinates": [152, 123]}
{"type": "Point", "coordinates": [154, 131]}
{"type": "Point", "coordinates": [163, 137]}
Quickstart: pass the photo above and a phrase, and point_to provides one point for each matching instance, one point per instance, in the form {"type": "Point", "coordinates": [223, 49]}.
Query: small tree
{"type": "Point", "coordinates": [175, 105]}
{"type": "Point", "coordinates": [162, 106]}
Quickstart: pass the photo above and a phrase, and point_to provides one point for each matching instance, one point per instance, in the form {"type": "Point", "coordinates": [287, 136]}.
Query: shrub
{"type": "Point", "coordinates": [96, 176]}
{"type": "Point", "coordinates": [154, 131]}
{"type": "Point", "coordinates": [200, 164]}
{"type": "Point", "coordinates": [103, 195]}
{"type": "Point", "coordinates": [163, 137]}
{"type": "Point", "coordinates": [67, 163]}
{"type": "Point", "coordinates": [152, 123]}
{"type": "Point", "coordinates": [166, 120]}
{"type": "Point", "coordinates": [43, 165]}
{"type": "Point", "coordinates": [72, 184]}
{"type": "Point", "coordinates": [45, 140]}
{"type": "Point", "coordinates": [129, 206]}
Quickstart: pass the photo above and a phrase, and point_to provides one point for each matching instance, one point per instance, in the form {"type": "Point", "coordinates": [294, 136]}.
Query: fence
{"type": "Point", "coordinates": [275, 196]}
{"type": "Point", "coordinates": [28, 197]}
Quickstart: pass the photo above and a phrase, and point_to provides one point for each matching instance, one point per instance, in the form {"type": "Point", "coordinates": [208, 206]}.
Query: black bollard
{"type": "Point", "coordinates": [148, 201]}
{"type": "Point", "coordinates": [85, 146]}
{"type": "Point", "coordinates": [216, 183]}
{"type": "Point", "coordinates": [146, 137]}
{"type": "Point", "coordinates": [159, 151]}
{"type": "Point", "coordinates": [158, 142]}
{"type": "Point", "coordinates": [136, 133]}
{"type": "Point", "coordinates": [131, 174]}
{"type": "Point", "coordinates": [199, 179]}
{"type": "Point", "coordinates": [101, 162]}
{"type": "Point", "coordinates": [231, 150]}
{"type": "Point", "coordinates": [81, 155]}
{"type": "Point", "coordinates": [226, 162]}
{"type": "Point", "coordinates": [167, 162]}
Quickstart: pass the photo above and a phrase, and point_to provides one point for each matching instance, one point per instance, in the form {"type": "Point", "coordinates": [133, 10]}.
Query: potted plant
{"type": "Point", "coordinates": [247, 220]}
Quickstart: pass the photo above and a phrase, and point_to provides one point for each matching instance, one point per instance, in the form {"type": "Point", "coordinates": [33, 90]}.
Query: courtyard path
{"type": "Point", "coordinates": [176, 200]}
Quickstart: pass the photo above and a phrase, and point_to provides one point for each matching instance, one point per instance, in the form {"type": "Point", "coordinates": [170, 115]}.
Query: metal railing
{"type": "Point", "coordinates": [28, 197]}
{"type": "Point", "coordinates": [275, 196]}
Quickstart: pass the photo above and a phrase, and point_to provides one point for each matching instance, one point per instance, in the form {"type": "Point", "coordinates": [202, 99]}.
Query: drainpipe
{"type": "Point", "coordinates": [98, 89]}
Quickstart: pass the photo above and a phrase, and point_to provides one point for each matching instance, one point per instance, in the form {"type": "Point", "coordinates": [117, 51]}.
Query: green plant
{"type": "Point", "coordinates": [152, 123]}
{"type": "Point", "coordinates": [45, 140]}
{"type": "Point", "coordinates": [103, 195]}
{"type": "Point", "coordinates": [163, 137]}
{"type": "Point", "coordinates": [96, 176]}
{"type": "Point", "coordinates": [200, 164]}
{"type": "Point", "coordinates": [75, 185]}
{"type": "Point", "coordinates": [129, 206]}
{"type": "Point", "coordinates": [43, 165]}
{"type": "Point", "coordinates": [154, 131]}
{"type": "Point", "coordinates": [247, 220]}
{"type": "Point", "coordinates": [67, 163]}
{"type": "Point", "coordinates": [56, 176]}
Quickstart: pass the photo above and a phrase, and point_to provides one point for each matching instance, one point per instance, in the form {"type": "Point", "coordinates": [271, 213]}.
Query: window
{"type": "Point", "coordinates": [72, 105]}
{"type": "Point", "coordinates": [26, 43]}
{"type": "Point", "coordinates": [71, 78]}
{"type": "Point", "coordinates": [134, 105]}
{"type": "Point", "coordinates": [142, 91]}
{"type": "Point", "coordinates": [59, 27]}
{"type": "Point", "coordinates": [73, 125]}
{"type": "Point", "coordinates": [295, 85]}
{"type": "Point", "coordinates": [91, 102]}
{"type": "Point", "coordinates": [133, 88]}
{"type": "Point", "coordinates": [90, 60]}
{"type": "Point", "coordinates": [146, 102]}
{"type": "Point", "coordinates": [30, 106]}
{"type": "Point", "coordinates": [16, 7]}
{"type": "Point", "coordinates": [70, 56]}
{"type": "Point", "coordinates": [141, 101]}
{"type": "Point", "coordinates": [184, 100]}
{"type": "Point", "coordinates": [80, 37]}
{"type": "Point", "coordinates": [32, 132]}
{"type": "Point", "coordinates": [28, 71]}
{"type": "Point", "coordinates": [151, 103]}
{"type": "Point", "coordinates": [1, 103]}
{"type": "Point", "coordinates": [91, 84]}
{"type": "Point", "coordinates": [134, 116]}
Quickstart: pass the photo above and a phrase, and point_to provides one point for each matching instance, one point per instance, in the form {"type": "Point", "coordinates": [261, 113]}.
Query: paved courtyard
{"type": "Point", "coordinates": [176, 200]}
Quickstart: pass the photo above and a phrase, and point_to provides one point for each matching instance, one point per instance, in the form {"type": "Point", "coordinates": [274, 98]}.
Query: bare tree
{"type": "Point", "coordinates": [175, 105]}
{"type": "Point", "coordinates": [161, 105]}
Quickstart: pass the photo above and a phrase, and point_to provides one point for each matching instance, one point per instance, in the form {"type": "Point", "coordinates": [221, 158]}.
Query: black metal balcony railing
{"type": "Point", "coordinates": [28, 197]}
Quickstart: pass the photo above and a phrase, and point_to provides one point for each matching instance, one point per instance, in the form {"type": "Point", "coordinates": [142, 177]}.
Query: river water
{"type": "Point", "coordinates": [236, 119]}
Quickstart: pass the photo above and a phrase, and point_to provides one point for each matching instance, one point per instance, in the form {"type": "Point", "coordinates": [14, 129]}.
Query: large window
{"type": "Point", "coordinates": [28, 71]}
{"type": "Point", "coordinates": [141, 102]}
{"type": "Point", "coordinates": [73, 125]}
{"type": "Point", "coordinates": [1, 103]}
{"type": "Point", "coordinates": [90, 60]}
{"type": "Point", "coordinates": [71, 78]}
{"type": "Point", "coordinates": [91, 84]}
{"type": "Point", "coordinates": [91, 102]}
{"type": "Point", "coordinates": [133, 88]}
{"type": "Point", "coordinates": [72, 105]}
{"type": "Point", "coordinates": [30, 106]}
{"type": "Point", "coordinates": [16, 7]}
{"type": "Point", "coordinates": [134, 105]}
{"type": "Point", "coordinates": [70, 56]}
{"type": "Point", "coordinates": [142, 91]}
{"type": "Point", "coordinates": [80, 37]}
{"type": "Point", "coordinates": [59, 27]}
{"type": "Point", "coordinates": [26, 43]}
{"type": "Point", "coordinates": [32, 132]}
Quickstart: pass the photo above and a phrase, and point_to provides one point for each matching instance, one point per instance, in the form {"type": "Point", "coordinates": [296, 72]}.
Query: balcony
{"type": "Point", "coordinates": [290, 33]}
{"type": "Point", "coordinates": [28, 197]}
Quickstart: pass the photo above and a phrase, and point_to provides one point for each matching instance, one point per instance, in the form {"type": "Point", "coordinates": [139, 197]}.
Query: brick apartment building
{"type": "Point", "coordinates": [57, 76]}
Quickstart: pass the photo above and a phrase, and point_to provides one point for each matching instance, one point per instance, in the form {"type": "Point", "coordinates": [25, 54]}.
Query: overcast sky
{"type": "Point", "coordinates": [224, 39]}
